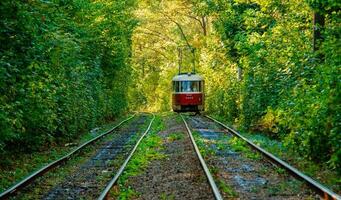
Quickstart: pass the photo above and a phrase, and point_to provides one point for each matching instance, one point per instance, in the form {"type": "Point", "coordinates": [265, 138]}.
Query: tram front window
{"type": "Point", "coordinates": [190, 86]}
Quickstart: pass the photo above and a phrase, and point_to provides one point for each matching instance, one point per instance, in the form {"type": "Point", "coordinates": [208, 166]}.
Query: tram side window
{"type": "Point", "coordinates": [176, 87]}
{"type": "Point", "coordinates": [195, 86]}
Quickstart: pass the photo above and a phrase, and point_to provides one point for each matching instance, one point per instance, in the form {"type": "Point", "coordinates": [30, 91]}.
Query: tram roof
{"type": "Point", "coordinates": [187, 77]}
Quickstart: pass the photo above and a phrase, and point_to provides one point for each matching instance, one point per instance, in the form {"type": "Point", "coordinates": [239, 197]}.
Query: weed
{"type": "Point", "coordinates": [175, 136]}
{"type": "Point", "coordinates": [280, 170]}
{"type": "Point", "coordinates": [164, 196]}
{"type": "Point", "coordinates": [214, 170]}
{"type": "Point", "coordinates": [127, 193]}
{"type": "Point", "coordinates": [178, 119]}
{"type": "Point", "coordinates": [226, 189]}
{"type": "Point", "coordinates": [146, 152]}
{"type": "Point", "coordinates": [263, 170]}
{"type": "Point", "coordinates": [158, 125]}
{"type": "Point", "coordinates": [205, 150]}
{"type": "Point", "coordinates": [239, 145]}
{"type": "Point", "coordinates": [255, 190]}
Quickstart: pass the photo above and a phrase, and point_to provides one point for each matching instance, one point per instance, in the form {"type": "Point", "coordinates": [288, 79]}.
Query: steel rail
{"type": "Point", "coordinates": [323, 191]}
{"type": "Point", "coordinates": [107, 189]}
{"type": "Point", "coordinates": [30, 178]}
{"type": "Point", "coordinates": [210, 179]}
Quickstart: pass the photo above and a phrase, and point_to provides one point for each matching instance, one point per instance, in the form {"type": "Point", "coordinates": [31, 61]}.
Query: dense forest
{"type": "Point", "coordinates": [69, 65]}
{"type": "Point", "coordinates": [64, 68]}
{"type": "Point", "coordinates": [257, 56]}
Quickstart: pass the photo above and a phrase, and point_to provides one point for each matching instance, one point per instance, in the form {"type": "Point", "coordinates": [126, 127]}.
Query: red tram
{"type": "Point", "coordinates": [188, 93]}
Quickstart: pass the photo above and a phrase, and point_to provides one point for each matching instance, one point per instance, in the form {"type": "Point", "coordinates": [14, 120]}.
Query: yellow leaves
{"type": "Point", "coordinates": [99, 19]}
{"type": "Point", "coordinates": [197, 42]}
{"type": "Point", "coordinates": [254, 38]}
{"type": "Point", "coordinates": [268, 121]}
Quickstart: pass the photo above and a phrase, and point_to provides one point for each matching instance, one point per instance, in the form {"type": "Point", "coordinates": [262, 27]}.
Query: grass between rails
{"type": "Point", "coordinates": [207, 151]}
{"type": "Point", "coordinates": [227, 189]}
{"type": "Point", "coordinates": [22, 164]}
{"type": "Point", "coordinates": [319, 171]}
{"type": "Point", "coordinates": [204, 148]}
{"type": "Point", "coordinates": [225, 143]}
{"type": "Point", "coordinates": [147, 151]}
{"type": "Point", "coordinates": [175, 136]}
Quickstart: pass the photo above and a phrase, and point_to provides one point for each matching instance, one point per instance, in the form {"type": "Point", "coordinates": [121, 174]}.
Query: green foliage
{"type": "Point", "coordinates": [284, 90]}
{"type": "Point", "coordinates": [238, 144]}
{"type": "Point", "coordinates": [64, 68]}
{"type": "Point", "coordinates": [127, 193]}
{"type": "Point", "coordinates": [147, 151]}
{"type": "Point", "coordinates": [324, 6]}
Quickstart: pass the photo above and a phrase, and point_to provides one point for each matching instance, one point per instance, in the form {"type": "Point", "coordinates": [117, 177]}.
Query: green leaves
{"type": "Point", "coordinates": [64, 68]}
{"type": "Point", "coordinates": [284, 91]}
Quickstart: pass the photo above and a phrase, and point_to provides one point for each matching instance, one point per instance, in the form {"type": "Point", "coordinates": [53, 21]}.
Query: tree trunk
{"type": "Point", "coordinates": [318, 26]}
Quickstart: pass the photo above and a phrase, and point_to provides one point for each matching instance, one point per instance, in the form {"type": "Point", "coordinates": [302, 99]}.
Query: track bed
{"type": "Point", "coordinates": [144, 159]}
{"type": "Point", "coordinates": [85, 175]}
{"type": "Point", "coordinates": [176, 176]}
{"type": "Point", "coordinates": [240, 172]}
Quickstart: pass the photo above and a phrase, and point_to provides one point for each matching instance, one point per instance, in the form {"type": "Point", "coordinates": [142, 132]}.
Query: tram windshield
{"type": "Point", "coordinates": [187, 86]}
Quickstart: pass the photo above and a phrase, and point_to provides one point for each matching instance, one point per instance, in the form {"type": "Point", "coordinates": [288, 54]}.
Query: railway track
{"type": "Point", "coordinates": [237, 171]}
{"type": "Point", "coordinates": [250, 173]}
{"type": "Point", "coordinates": [180, 174]}
{"type": "Point", "coordinates": [104, 194]}
{"type": "Point", "coordinates": [210, 179]}
{"type": "Point", "coordinates": [110, 149]}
